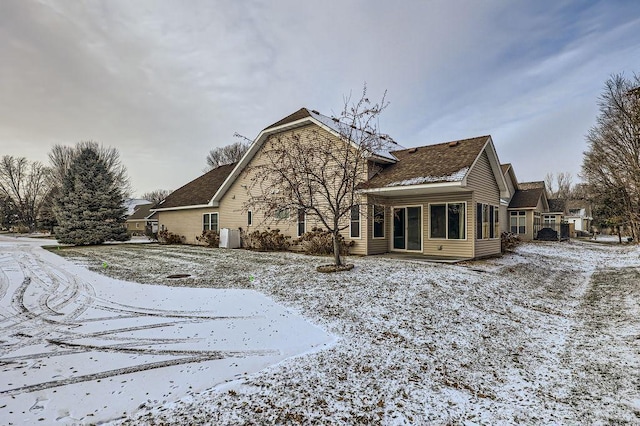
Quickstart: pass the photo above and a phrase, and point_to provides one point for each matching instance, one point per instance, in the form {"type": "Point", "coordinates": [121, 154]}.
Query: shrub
{"type": "Point", "coordinates": [269, 240]}
{"type": "Point", "coordinates": [508, 241]}
{"type": "Point", "coordinates": [166, 237]}
{"type": "Point", "coordinates": [20, 229]}
{"type": "Point", "coordinates": [209, 238]}
{"type": "Point", "coordinates": [320, 241]}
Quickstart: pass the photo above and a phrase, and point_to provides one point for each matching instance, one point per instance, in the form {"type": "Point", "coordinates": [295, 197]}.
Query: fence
{"type": "Point", "coordinates": [551, 231]}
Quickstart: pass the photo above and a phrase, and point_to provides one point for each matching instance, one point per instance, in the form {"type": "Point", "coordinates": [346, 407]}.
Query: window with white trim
{"type": "Point", "coordinates": [249, 218]}
{"type": "Point", "coordinates": [487, 225]}
{"type": "Point", "coordinates": [355, 222]}
{"type": "Point", "coordinates": [518, 222]}
{"type": "Point", "coordinates": [378, 221]}
{"type": "Point", "coordinates": [447, 221]}
{"type": "Point", "coordinates": [210, 222]}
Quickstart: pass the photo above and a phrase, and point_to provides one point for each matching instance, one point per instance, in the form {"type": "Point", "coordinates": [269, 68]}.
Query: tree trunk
{"type": "Point", "coordinates": [336, 249]}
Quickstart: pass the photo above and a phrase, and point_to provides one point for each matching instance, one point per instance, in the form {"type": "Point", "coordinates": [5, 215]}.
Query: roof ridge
{"type": "Point", "coordinates": [445, 143]}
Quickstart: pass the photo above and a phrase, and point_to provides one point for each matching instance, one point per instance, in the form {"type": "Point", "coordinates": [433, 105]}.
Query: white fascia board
{"type": "Point", "coordinates": [380, 158]}
{"type": "Point", "coordinates": [195, 206]}
{"type": "Point", "coordinates": [251, 152]}
{"type": "Point", "coordinates": [425, 186]}
{"type": "Point", "coordinates": [257, 144]}
{"type": "Point", "coordinates": [494, 162]}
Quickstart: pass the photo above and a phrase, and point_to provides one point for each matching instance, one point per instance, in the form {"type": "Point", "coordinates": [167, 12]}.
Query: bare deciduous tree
{"type": "Point", "coordinates": [316, 172]}
{"type": "Point", "coordinates": [225, 155]}
{"type": "Point", "coordinates": [156, 195]}
{"type": "Point", "coordinates": [560, 185]}
{"type": "Point", "coordinates": [25, 184]}
{"type": "Point", "coordinates": [611, 165]}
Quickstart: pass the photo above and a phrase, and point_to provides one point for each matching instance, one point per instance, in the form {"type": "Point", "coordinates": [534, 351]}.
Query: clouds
{"type": "Point", "coordinates": [164, 82]}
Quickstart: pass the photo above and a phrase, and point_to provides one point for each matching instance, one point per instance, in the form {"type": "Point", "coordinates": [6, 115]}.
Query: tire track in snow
{"type": "Point", "coordinates": [59, 289]}
{"type": "Point", "coordinates": [106, 374]}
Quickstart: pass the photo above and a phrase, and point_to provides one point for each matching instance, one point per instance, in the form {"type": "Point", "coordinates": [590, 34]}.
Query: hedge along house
{"type": "Point", "coordinates": [440, 200]}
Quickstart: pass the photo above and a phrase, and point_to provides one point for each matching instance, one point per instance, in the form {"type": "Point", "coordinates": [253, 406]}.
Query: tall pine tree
{"type": "Point", "coordinates": [90, 208]}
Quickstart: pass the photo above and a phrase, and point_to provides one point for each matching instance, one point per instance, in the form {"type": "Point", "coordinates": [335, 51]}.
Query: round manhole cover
{"type": "Point", "coordinates": [178, 276]}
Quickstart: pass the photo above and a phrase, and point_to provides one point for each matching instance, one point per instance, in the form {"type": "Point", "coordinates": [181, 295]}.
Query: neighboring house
{"type": "Point", "coordinates": [141, 220]}
{"type": "Point", "coordinates": [439, 200]}
{"type": "Point", "coordinates": [578, 213]}
{"type": "Point", "coordinates": [530, 211]}
{"type": "Point", "coordinates": [131, 204]}
{"type": "Point", "coordinates": [512, 186]}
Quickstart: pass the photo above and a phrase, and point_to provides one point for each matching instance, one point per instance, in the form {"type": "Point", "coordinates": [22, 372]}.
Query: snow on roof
{"type": "Point", "coordinates": [131, 203]}
{"type": "Point", "coordinates": [382, 144]}
{"type": "Point", "coordinates": [454, 177]}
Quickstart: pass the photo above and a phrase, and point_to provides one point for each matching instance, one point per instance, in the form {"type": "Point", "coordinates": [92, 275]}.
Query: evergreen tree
{"type": "Point", "coordinates": [90, 208]}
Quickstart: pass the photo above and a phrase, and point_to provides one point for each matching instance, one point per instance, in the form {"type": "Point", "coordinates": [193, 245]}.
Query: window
{"type": "Point", "coordinates": [301, 222]}
{"type": "Point", "coordinates": [249, 218]}
{"type": "Point", "coordinates": [355, 222]}
{"type": "Point", "coordinates": [549, 221]}
{"type": "Point", "coordinates": [210, 222]}
{"type": "Point", "coordinates": [518, 222]}
{"type": "Point", "coordinates": [281, 214]}
{"type": "Point", "coordinates": [486, 222]}
{"type": "Point", "coordinates": [447, 221]}
{"type": "Point", "coordinates": [438, 221]}
{"type": "Point", "coordinates": [378, 221]}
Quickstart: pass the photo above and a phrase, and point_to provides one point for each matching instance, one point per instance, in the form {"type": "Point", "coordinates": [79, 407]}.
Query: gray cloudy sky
{"type": "Point", "coordinates": [166, 81]}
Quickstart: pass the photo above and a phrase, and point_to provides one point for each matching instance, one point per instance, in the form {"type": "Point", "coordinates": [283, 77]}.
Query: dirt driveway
{"type": "Point", "coordinates": [76, 346]}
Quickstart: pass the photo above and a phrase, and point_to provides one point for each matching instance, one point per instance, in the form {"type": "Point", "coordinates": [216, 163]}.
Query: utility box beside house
{"type": "Point", "coordinates": [229, 238]}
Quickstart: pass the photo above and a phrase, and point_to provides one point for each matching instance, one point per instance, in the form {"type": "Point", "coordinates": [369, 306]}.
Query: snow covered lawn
{"type": "Point", "coordinates": [548, 335]}
{"type": "Point", "coordinates": [79, 347]}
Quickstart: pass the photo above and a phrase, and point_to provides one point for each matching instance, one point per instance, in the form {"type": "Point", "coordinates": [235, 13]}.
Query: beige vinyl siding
{"type": "Point", "coordinates": [510, 184]}
{"type": "Point", "coordinates": [233, 206]}
{"type": "Point", "coordinates": [486, 191]}
{"type": "Point", "coordinates": [529, 235]}
{"type": "Point", "coordinates": [504, 219]}
{"type": "Point", "coordinates": [437, 247]}
{"type": "Point", "coordinates": [187, 223]}
{"type": "Point", "coordinates": [378, 245]}
{"type": "Point", "coordinates": [528, 223]}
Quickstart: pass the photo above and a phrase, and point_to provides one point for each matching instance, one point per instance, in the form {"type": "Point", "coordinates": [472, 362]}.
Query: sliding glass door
{"type": "Point", "coordinates": [407, 228]}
